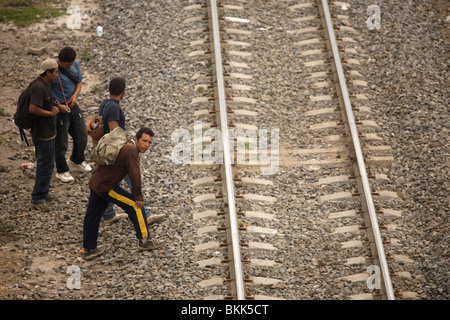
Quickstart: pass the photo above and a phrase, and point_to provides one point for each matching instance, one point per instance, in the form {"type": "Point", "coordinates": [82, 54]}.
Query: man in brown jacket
{"type": "Point", "coordinates": [104, 185]}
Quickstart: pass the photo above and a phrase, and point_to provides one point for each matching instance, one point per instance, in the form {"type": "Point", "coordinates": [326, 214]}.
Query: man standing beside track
{"type": "Point", "coordinates": [66, 89]}
{"type": "Point", "coordinates": [44, 108]}
{"type": "Point", "coordinates": [104, 185]}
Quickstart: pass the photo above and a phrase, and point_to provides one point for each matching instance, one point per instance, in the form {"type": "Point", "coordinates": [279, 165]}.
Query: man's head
{"type": "Point", "coordinates": [143, 139]}
{"type": "Point", "coordinates": [66, 57]}
{"type": "Point", "coordinates": [48, 69]}
{"type": "Point", "coordinates": [117, 87]}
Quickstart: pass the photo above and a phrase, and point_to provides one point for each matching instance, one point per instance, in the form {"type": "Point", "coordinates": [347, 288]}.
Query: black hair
{"type": "Point", "coordinates": [43, 74]}
{"type": "Point", "coordinates": [144, 130]}
{"type": "Point", "coordinates": [116, 86]}
{"type": "Point", "coordinates": [67, 54]}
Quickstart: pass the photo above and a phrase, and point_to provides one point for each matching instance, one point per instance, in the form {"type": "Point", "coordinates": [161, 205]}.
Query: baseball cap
{"type": "Point", "coordinates": [47, 64]}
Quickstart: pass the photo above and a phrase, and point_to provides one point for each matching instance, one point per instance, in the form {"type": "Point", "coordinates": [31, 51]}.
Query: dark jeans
{"type": "Point", "coordinates": [96, 207]}
{"type": "Point", "coordinates": [45, 155]}
{"type": "Point", "coordinates": [70, 123]}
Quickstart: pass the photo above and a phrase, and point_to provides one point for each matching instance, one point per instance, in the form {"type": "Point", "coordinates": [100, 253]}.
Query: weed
{"type": "Point", "coordinates": [86, 56]}
{"type": "Point", "coordinates": [25, 12]}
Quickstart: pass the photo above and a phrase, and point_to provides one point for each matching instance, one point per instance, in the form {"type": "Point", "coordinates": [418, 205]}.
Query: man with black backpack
{"type": "Point", "coordinates": [43, 109]}
{"type": "Point", "coordinates": [66, 90]}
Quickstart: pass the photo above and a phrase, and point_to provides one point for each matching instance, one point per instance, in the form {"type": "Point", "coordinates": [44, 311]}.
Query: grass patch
{"type": "Point", "coordinates": [6, 233]}
{"type": "Point", "coordinates": [26, 12]}
{"type": "Point", "coordinates": [86, 56]}
{"type": "Point", "coordinates": [6, 228]}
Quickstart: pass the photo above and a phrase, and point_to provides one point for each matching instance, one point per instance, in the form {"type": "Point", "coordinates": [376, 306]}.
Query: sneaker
{"type": "Point", "coordinates": [146, 245]}
{"type": "Point", "coordinates": [114, 219]}
{"type": "Point", "coordinates": [154, 218]}
{"type": "Point", "coordinates": [65, 176]}
{"type": "Point", "coordinates": [92, 253]}
{"type": "Point", "coordinates": [82, 166]}
{"type": "Point", "coordinates": [41, 206]}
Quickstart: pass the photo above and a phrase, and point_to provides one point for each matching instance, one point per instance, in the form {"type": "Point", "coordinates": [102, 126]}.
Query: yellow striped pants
{"type": "Point", "coordinates": [97, 206]}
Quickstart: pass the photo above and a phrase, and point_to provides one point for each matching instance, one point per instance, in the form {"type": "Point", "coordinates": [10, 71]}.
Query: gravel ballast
{"type": "Point", "coordinates": [405, 64]}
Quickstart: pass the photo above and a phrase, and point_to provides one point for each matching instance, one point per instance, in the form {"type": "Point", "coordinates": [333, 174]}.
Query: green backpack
{"type": "Point", "coordinates": [108, 147]}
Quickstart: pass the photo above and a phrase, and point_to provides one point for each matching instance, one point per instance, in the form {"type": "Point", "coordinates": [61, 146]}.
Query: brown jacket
{"type": "Point", "coordinates": [105, 178]}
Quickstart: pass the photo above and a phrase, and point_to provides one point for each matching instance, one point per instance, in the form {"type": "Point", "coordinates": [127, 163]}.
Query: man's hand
{"type": "Point", "coordinates": [63, 108]}
{"type": "Point", "coordinates": [54, 111]}
{"type": "Point", "coordinates": [73, 100]}
{"type": "Point", "coordinates": [140, 204]}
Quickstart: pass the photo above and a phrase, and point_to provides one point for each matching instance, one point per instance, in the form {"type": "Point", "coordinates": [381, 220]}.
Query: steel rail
{"type": "Point", "coordinates": [221, 100]}
{"type": "Point", "coordinates": [323, 5]}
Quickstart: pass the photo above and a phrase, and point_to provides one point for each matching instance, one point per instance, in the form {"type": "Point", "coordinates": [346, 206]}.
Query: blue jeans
{"type": "Point", "coordinates": [110, 213]}
{"type": "Point", "coordinates": [45, 156]}
{"type": "Point", "coordinates": [70, 123]}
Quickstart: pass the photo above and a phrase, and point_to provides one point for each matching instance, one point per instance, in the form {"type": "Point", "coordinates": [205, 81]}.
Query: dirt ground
{"type": "Point", "coordinates": [18, 68]}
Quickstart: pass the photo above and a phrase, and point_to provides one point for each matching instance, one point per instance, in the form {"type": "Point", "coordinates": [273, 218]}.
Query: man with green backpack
{"type": "Point", "coordinates": [105, 188]}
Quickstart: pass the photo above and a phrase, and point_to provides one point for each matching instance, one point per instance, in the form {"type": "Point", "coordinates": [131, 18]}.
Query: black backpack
{"type": "Point", "coordinates": [23, 118]}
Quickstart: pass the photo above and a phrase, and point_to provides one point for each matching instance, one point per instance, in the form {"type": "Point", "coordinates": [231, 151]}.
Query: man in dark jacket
{"type": "Point", "coordinates": [104, 185]}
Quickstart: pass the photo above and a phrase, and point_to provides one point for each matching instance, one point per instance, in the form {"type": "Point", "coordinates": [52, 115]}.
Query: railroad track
{"type": "Point", "coordinates": [233, 188]}
{"type": "Point", "coordinates": [224, 109]}
{"type": "Point", "coordinates": [334, 69]}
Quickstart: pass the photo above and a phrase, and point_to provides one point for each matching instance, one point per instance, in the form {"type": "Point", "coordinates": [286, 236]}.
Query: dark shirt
{"type": "Point", "coordinates": [110, 111]}
{"type": "Point", "coordinates": [44, 128]}
{"type": "Point", "coordinates": [105, 178]}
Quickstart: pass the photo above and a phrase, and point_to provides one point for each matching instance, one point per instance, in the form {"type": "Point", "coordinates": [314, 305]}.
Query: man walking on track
{"type": "Point", "coordinates": [104, 185]}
